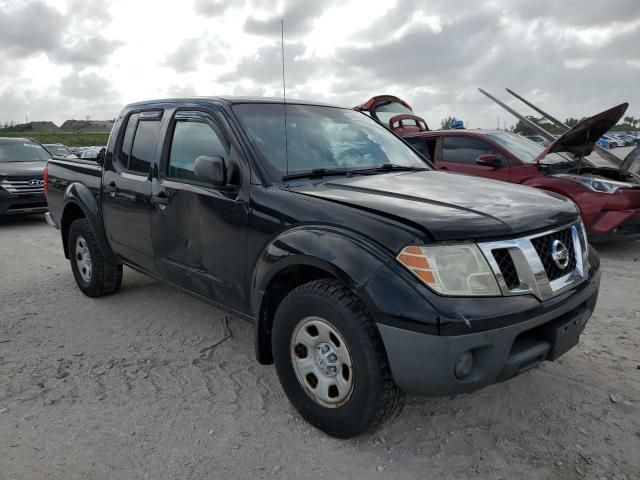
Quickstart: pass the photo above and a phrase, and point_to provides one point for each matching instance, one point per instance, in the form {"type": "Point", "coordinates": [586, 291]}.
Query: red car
{"type": "Point", "coordinates": [608, 198]}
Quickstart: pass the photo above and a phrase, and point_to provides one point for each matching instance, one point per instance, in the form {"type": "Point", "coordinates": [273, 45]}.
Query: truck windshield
{"type": "Point", "coordinates": [524, 149]}
{"type": "Point", "coordinates": [322, 138]}
{"type": "Point", "coordinates": [22, 151]}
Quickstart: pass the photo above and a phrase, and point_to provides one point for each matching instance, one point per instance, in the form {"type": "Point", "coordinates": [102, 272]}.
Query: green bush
{"type": "Point", "coordinates": [68, 139]}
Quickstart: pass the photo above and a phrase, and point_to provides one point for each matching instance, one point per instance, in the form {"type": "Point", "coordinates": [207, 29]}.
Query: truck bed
{"type": "Point", "coordinates": [84, 175]}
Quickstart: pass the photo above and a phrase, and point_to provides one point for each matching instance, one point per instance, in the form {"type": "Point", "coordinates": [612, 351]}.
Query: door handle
{"type": "Point", "coordinates": [442, 168]}
{"type": "Point", "coordinates": [111, 189]}
{"type": "Point", "coordinates": [161, 200]}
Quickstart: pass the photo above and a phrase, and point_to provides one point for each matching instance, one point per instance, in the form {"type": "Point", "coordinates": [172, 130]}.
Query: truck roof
{"type": "Point", "coordinates": [229, 101]}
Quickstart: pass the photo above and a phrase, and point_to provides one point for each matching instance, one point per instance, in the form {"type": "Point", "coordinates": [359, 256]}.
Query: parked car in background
{"type": "Point", "coordinates": [606, 142]}
{"type": "Point", "coordinates": [630, 139]}
{"type": "Point", "coordinates": [538, 139]}
{"type": "Point", "coordinates": [59, 150]}
{"type": "Point", "coordinates": [610, 142]}
{"type": "Point", "coordinates": [90, 152]}
{"type": "Point", "coordinates": [365, 272]}
{"type": "Point", "coordinates": [623, 142]}
{"type": "Point", "coordinates": [608, 198]}
{"type": "Point", "coordinates": [22, 162]}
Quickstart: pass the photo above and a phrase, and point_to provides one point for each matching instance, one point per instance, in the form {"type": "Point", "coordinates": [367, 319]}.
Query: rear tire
{"type": "Point", "coordinates": [331, 361]}
{"type": "Point", "coordinates": [94, 275]}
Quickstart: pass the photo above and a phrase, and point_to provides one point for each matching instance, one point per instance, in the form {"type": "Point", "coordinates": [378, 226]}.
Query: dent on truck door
{"type": "Point", "coordinates": [199, 230]}
{"type": "Point", "coordinates": [127, 190]}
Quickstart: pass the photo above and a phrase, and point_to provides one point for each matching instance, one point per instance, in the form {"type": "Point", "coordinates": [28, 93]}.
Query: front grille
{"type": "Point", "coordinates": [525, 265]}
{"type": "Point", "coordinates": [543, 246]}
{"type": "Point", "coordinates": [507, 267]}
{"type": "Point", "coordinates": [32, 185]}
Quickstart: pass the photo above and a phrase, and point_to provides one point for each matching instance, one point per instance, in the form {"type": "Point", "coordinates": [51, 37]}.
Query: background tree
{"type": "Point", "coordinates": [571, 122]}
{"type": "Point", "coordinates": [447, 123]}
{"type": "Point", "coordinates": [524, 129]}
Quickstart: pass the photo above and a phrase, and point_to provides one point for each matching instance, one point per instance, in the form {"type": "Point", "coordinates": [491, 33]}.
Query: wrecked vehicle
{"type": "Point", "coordinates": [365, 274]}
{"type": "Point", "coordinates": [608, 198]}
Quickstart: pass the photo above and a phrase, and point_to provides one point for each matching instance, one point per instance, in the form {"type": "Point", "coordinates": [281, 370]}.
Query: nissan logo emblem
{"type": "Point", "coordinates": [36, 181]}
{"type": "Point", "coordinates": [560, 254]}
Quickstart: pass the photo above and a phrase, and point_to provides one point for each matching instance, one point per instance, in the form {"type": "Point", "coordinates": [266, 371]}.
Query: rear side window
{"type": "Point", "coordinates": [125, 151]}
{"type": "Point", "coordinates": [140, 140]}
{"type": "Point", "coordinates": [191, 139]}
{"type": "Point", "coordinates": [464, 149]}
{"type": "Point", "coordinates": [144, 146]}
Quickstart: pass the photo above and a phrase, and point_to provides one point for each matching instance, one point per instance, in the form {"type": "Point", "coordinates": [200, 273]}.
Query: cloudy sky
{"type": "Point", "coordinates": [63, 59]}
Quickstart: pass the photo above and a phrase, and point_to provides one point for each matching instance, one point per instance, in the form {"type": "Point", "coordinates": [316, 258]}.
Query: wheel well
{"type": "Point", "coordinates": [71, 213]}
{"type": "Point", "coordinates": [279, 286]}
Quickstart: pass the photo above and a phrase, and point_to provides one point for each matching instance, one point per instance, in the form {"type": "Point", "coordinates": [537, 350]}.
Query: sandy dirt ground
{"type": "Point", "coordinates": [124, 387]}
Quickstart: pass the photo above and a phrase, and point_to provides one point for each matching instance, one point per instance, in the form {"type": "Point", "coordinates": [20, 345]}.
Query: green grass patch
{"type": "Point", "coordinates": [68, 139]}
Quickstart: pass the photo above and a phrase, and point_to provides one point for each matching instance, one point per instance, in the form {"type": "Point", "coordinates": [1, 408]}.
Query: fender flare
{"type": "Point", "coordinates": [79, 195]}
{"type": "Point", "coordinates": [328, 248]}
{"type": "Point", "coordinates": [338, 252]}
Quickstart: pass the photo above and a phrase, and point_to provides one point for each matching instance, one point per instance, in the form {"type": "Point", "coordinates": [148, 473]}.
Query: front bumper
{"type": "Point", "coordinates": [12, 204]}
{"type": "Point", "coordinates": [424, 364]}
{"type": "Point", "coordinates": [614, 225]}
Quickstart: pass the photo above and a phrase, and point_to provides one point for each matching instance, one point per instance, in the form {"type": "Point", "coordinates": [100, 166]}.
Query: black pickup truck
{"type": "Point", "coordinates": [366, 273]}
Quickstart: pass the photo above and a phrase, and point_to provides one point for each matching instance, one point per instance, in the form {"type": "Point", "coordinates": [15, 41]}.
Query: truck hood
{"type": "Point", "coordinates": [22, 169]}
{"type": "Point", "coordinates": [581, 139]}
{"type": "Point", "coordinates": [449, 206]}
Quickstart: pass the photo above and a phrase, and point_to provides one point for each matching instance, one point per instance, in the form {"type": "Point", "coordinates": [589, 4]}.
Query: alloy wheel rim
{"type": "Point", "coordinates": [83, 259]}
{"type": "Point", "coordinates": [322, 362]}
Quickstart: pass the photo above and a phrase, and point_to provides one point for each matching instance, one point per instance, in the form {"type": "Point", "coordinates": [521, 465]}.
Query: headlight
{"type": "Point", "coordinates": [595, 184]}
{"type": "Point", "coordinates": [456, 270]}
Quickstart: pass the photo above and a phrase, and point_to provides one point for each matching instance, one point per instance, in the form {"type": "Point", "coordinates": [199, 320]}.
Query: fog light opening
{"type": "Point", "coordinates": [464, 365]}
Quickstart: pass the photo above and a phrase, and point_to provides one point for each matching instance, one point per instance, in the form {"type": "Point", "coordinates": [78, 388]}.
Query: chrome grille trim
{"type": "Point", "coordinates": [22, 186]}
{"type": "Point", "coordinates": [531, 272]}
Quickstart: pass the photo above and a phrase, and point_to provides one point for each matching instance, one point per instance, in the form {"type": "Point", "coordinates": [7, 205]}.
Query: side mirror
{"type": "Point", "coordinates": [101, 155]}
{"type": "Point", "coordinates": [489, 161]}
{"type": "Point", "coordinates": [211, 170]}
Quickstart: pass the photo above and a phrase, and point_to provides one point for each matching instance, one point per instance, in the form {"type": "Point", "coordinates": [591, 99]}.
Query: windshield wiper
{"type": "Point", "coordinates": [392, 167]}
{"type": "Point", "coordinates": [316, 173]}
{"type": "Point", "coordinates": [325, 172]}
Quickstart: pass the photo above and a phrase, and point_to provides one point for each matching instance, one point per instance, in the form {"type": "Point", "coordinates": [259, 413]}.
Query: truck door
{"type": "Point", "coordinates": [126, 189]}
{"type": "Point", "coordinates": [460, 154]}
{"type": "Point", "coordinates": [199, 230]}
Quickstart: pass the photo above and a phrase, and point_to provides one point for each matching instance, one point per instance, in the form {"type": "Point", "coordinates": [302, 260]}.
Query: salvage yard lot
{"type": "Point", "coordinates": [127, 387]}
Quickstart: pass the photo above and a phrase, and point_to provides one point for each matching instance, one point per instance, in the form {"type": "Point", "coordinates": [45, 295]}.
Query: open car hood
{"type": "Point", "coordinates": [580, 139]}
{"type": "Point", "coordinates": [373, 103]}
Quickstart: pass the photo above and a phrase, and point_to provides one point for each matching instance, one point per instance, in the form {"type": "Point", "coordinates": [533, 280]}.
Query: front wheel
{"type": "Point", "coordinates": [94, 275]}
{"type": "Point", "coordinates": [331, 361]}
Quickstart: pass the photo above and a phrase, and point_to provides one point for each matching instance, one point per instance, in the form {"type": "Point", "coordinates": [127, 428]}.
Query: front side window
{"type": "Point", "coordinates": [22, 151]}
{"type": "Point", "coordinates": [461, 149]}
{"type": "Point", "coordinates": [193, 138]}
{"type": "Point", "coordinates": [321, 138]}
{"type": "Point", "coordinates": [144, 146]}
{"type": "Point", "coordinates": [420, 144]}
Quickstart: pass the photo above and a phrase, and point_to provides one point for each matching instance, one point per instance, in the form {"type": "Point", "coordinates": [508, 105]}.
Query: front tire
{"type": "Point", "coordinates": [331, 361]}
{"type": "Point", "coordinates": [94, 275]}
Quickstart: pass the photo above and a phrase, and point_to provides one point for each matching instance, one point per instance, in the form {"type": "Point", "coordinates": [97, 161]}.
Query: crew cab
{"type": "Point", "coordinates": [608, 198]}
{"type": "Point", "coordinates": [366, 273]}
{"type": "Point", "coordinates": [22, 163]}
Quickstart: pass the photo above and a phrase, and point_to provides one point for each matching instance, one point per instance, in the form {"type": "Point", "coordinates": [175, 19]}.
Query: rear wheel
{"type": "Point", "coordinates": [331, 361]}
{"type": "Point", "coordinates": [94, 275]}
